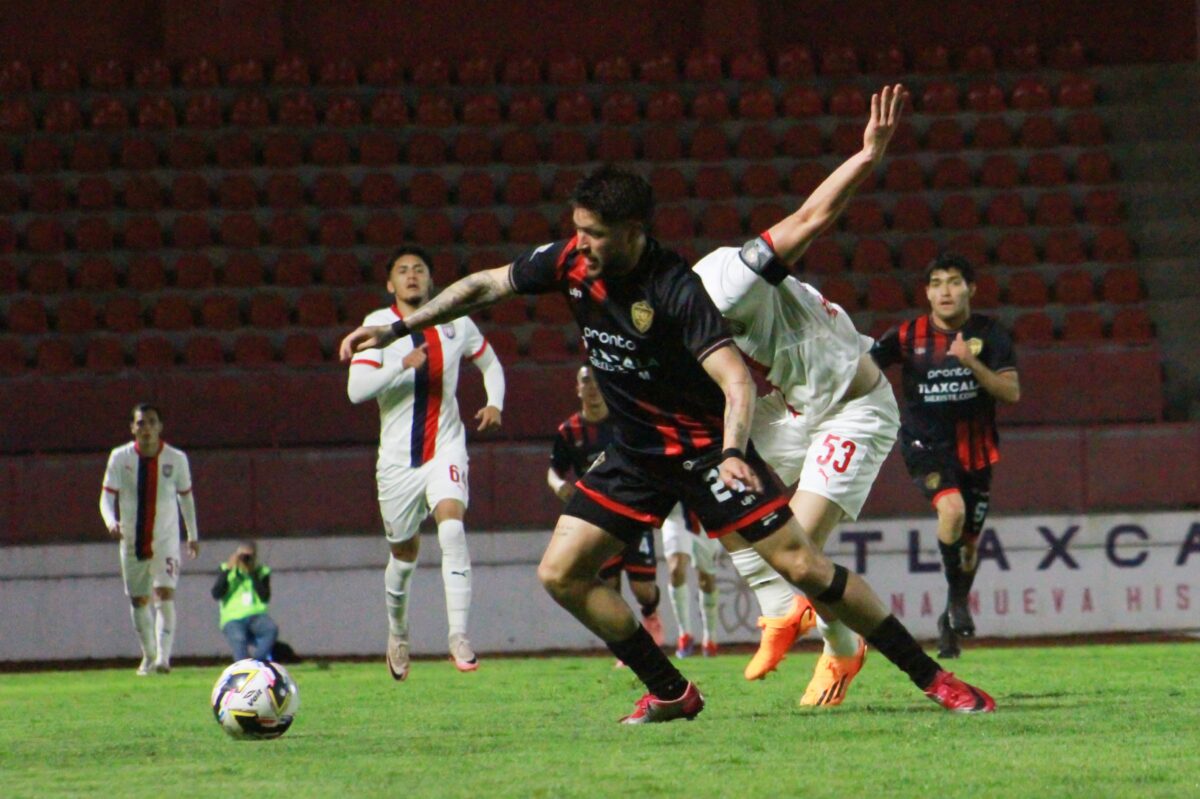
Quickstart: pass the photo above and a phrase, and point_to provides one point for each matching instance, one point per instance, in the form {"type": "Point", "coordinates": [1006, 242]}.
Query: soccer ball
{"type": "Point", "coordinates": [255, 699]}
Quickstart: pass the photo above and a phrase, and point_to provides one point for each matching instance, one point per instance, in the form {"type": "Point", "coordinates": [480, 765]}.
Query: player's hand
{"type": "Point", "coordinates": [959, 349]}
{"type": "Point", "coordinates": [193, 548]}
{"type": "Point", "coordinates": [489, 418]}
{"type": "Point", "coordinates": [565, 491]}
{"type": "Point", "coordinates": [417, 358]}
{"type": "Point", "coordinates": [885, 117]}
{"type": "Point", "coordinates": [365, 338]}
{"type": "Point", "coordinates": [233, 562]}
{"type": "Point", "coordinates": [114, 531]}
{"type": "Point", "coordinates": [737, 475]}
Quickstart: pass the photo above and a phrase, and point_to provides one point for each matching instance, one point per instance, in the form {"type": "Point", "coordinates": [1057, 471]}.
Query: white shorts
{"type": "Point", "coordinates": [840, 455]}
{"type": "Point", "coordinates": [679, 540]}
{"type": "Point", "coordinates": [161, 570]}
{"type": "Point", "coordinates": [407, 495]}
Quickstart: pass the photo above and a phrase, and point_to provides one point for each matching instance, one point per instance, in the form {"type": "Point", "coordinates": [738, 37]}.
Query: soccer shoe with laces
{"type": "Point", "coordinates": [778, 635]}
{"type": "Point", "coordinates": [162, 668]}
{"type": "Point", "coordinates": [832, 677]}
{"type": "Point", "coordinates": [685, 646]}
{"type": "Point", "coordinates": [146, 667]}
{"type": "Point", "coordinates": [709, 648]}
{"type": "Point", "coordinates": [957, 696]}
{"type": "Point", "coordinates": [948, 647]}
{"type": "Point", "coordinates": [397, 657]}
{"type": "Point", "coordinates": [654, 626]}
{"type": "Point", "coordinates": [652, 710]}
{"type": "Point", "coordinates": [462, 654]}
{"type": "Point", "coordinates": [959, 616]}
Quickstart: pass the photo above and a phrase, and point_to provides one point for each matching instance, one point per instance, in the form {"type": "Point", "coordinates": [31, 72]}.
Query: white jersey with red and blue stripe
{"type": "Point", "coordinates": [418, 413]}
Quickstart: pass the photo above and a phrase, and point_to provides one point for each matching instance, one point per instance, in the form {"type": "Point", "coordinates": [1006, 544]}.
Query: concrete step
{"type": "Point", "coordinates": [1178, 323]}
{"type": "Point", "coordinates": [1171, 278]}
{"type": "Point", "coordinates": [1166, 161]}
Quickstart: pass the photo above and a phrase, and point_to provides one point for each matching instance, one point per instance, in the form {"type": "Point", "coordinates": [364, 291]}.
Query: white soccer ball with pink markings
{"type": "Point", "coordinates": [255, 699]}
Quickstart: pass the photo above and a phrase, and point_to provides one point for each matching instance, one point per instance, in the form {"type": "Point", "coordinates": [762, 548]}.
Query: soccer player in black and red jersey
{"type": "Point", "coordinates": [956, 366]}
{"type": "Point", "coordinates": [681, 400]}
{"type": "Point", "coordinates": [579, 441]}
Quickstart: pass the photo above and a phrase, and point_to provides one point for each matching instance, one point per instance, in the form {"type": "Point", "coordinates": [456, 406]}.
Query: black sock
{"type": "Point", "coordinates": [647, 661]}
{"type": "Point", "coordinates": [648, 608]}
{"type": "Point", "coordinates": [952, 564]}
{"type": "Point", "coordinates": [894, 642]}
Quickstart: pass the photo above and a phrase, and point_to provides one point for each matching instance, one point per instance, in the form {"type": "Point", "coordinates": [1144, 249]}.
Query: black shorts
{"type": "Point", "coordinates": [937, 472]}
{"type": "Point", "coordinates": [622, 493]}
{"type": "Point", "coordinates": [638, 560]}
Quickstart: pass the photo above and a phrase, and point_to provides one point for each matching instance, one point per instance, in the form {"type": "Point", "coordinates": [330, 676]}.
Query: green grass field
{"type": "Point", "coordinates": [1095, 721]}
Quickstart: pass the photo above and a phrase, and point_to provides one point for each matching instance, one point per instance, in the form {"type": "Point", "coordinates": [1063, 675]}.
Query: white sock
{"type": "Point", "coordinates": [143, 625]}
{"type": "Point", "coordinates": [681, 607]}
{"type": "Point", "coordinates": [164, 625]}
{"type": "Point", "coordinates": [396, 578]}
{"type": "Point", "coordinates": [708, 613]}
{"type": "Point", "coordinates": [456, 574]}
{"type": "Point", "coordinates": [775, 596]}
{"type": "Point", "coordinates": [840, 640]}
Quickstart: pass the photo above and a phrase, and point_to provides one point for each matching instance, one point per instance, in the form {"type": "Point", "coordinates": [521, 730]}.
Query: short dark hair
{"type": "Point", "coordinates": [144, 407]}
{"type": "Point", "coordinates": [407, 249]}
{"type": "Point", "coordinates": [615, 196]}
{"type": "Point", "coordinates": [950, 260]}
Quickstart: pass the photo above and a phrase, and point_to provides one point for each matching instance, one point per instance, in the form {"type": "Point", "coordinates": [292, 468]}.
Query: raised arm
{"type": "Point", "coordinates": [475, 291]}
{"type": "Point", "coordinates": [1004, 384]}
{"type": "Point", "coordinates": [791, 236]}
{"type": "Point", "coordinates": [727, 369]}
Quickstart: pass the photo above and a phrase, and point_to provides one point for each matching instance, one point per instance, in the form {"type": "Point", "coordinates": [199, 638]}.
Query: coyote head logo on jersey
{"type": "Point", "coordinates": [642, 315]}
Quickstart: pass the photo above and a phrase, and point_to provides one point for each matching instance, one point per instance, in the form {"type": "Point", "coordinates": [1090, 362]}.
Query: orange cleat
{"type": "Point", "coordinates": [832, 677]}
{"type": "Point", "coordinates": [779, 633]}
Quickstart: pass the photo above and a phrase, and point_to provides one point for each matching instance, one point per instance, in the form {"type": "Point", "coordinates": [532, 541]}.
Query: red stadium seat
{"type": "Point", "coordinates": [244, 73]}
{"type": "Point", "coordinates": [702, 66]}
{"type": "Point", "coordinates": [194, 271]}
{"type": "Point", "coordinates": [986, 98]}
{"type": "Point", "coordinates": [239, 231]}
{"type": "Point", "coordinates": [1122, 285]}
{"type": "Point", "coordinates": [714, 183]}
{"type": "Point", "coordinates": [42, 155]}
{"type": "Point", "coordinates": [526, 109]}
{"type": "Point", "coordinates": [341, 269]}
{"type": "Point", "coordinates": [951, 173]}
{"type": "Point", "coordinates": [848, 100]}
{"type": "Point", "coordinates": [426, 149]}
{"type": "Point", "coordinates": [661, 144]}
{"type": "Point", "coordinates": [1102, 207]}
{"type": "Point", "coordinates": [1055, 209]}
{"type": "Point", "coordinates": [763, 216]}
{"type": "Point", "coordinates": [1033, 327]}
{"type": "Point", "coordinates": [871, 255]}
{"type": "Point", "coordinates": [142, 194]}
{"type": "Point", "coordinates": [1074, 287]}
{"type": "Point", "coordinates": [1132, 324]}
{"type": "Point", "coordinates": [62, 115]}
{"type": "Point", "coordinates": [340, 72]}
{"type": "Point", "coordinates": [1094, 167]}
{"type": "Point", "coordinates": [389, 110]}
{"type": "Point", "coordinates": [1039, 132]}
{"type": "Point", "coordinates": [749, 66]}
{"type": "Point", "coordinates": [568, 147]}
{"type": "Point", "coordinates": [1077, 91]}
{"type": "Point", "coordinates": [1081, 325]}
{"type": "Point", "coordinates": [619, 108]}
{"type": "Point", "coordinates": [203, 352]}
{"type": "Point", "coordinates": [972, 246]}
{"type": "Point", "coordinates": [93, 274]}
{"type": "Point", "coordinates": [316, 309]}
{"type": "Point", "coordinates": [987, 292]}
{"type": "Point", "coordinates": [709, 143]}
{"type": "Point", "coordinates": [839, 61]}
{"type": "Point", "coordinates": [268, 310]}
{"type": "Point", "coordinates": [803, 141]}
{"type": "Point", "coordinates": [145, 273]}
{"type": "Point", "coordinates": [54, 357]}
{"type": "Point", "coordinates": [523, 71]}
{"type": "Point", "coordinates": [504, 344]}
{"type": "Point", "coordinates": [522, 188]}
{"type": "Point", "coordinates": [343, 112]}
{"type": "Point", "coordinates": [335, 230]}
{"type": "Point", "coordinates": [992, 133]}
{"type": "Point", "coordinates": [1027, 289]}
{"type": "Point", "coordinates": [529, 227]}
{"type": "Point", "coordinates": [384, 230]}
{"type": "Point", "coordinates": [999, 172]}
{"type": "Point", "coordinates": [886, 294]}
{"type": "Point", "coordinates": [1068, 55]}
{"type": "Point", "coordinates": [282, 151]}
{"type": "Point", "coordinates": [573, 108]}
{"type": "Point", "coordinates": [864, 216]}
{"type": "Point", "coordinates": [291, 71]}
{"type": "Point", "coordinates": [669, 184]}
{"type": "Point", "coordinates": [235, 151]}
{"type": "Point", "coordinates": [1016, 249]}
{"type": "Point", "coordinates": [142, 232]}
{"type": "Point", "coordinates": [482, 228]}
{"type": "Point", "coordinates": [710, 105]}
{"type": "Point", "coordinates": [477, 71]}
{"type": "Point", "coordinates": [1007, 210]}
{"type": "Point", "coordinates": [842, 292]}
{"type": "Point", "coordinates": [549, 309]}
{"type": "Point", "coordinates": [475, 190]}
{"type": "Point", "coordinates": [90, 155]}
{"type": "Point", "coordinates": [510, 314]}
{"type": "Point", "coordinates": [846, 139]}
{"type": "Point", "coordinates": [435, 110]}
{"type": "Point", "coordinates": [761, 180]}
{"type": "Point", "coordinates": [45, 235]}
{"type": "Point", "coordinates": [382, 190]}
{"type": "Point", "coordinates": [1046, 169]}
{"type": "Point", "coordinates": [614, 145]}
{"type": "Point", "coordinates": [802, 101]}
{"type": "Point", "coordinates": [27, 315]}
{"type": "Point", "coordinates": [202, 111]}
{"type": "Point", "coordinates": [940, 97]}
{"type": "Point", "coordinates": [16, 117]}
{"type": "Point", "coordinates": [483, 109]}
{"type": "Point", "coordinates": [12, 357]}
{"type": "Point", "coordinates": [243, 270]}
{"type": "Point", "coordinates": [888, 60]}
{"type": "Point", "coordinates": [75, 315]}
{"type": "Point", "coordinates": [549, 345]}
{"type": "Point", "coordinates": [122, 314]}
{"type": "Point", "coordinates": [220, 312]}
{"type": "Point", "coordinates": [152, 74]}
{"type": "Point", "coordinates": [824, 257]}
{"type": "Point", "coordinates": [722, 222]}
{"type": "Point", "coordinates": [904, 174]}
{"type": "Point", "coordinates": [253, 350]}
{"type": "Point", "coordinates": [1030, 94]}
{"type": "Point", "coordinates": [59, 76]}
{"type": "Point", "coordinates": [190, 192]}
{"type": "Point", "coordinates": [93, 234]}
{"type": "Point", "coordinates": [387, 71]}
{"type": "Point", "coordinates": [912, 213]}
{"type": "Point", "coordinates": [329, 149]}
{"type": "Point", "coordinates": [47, 277]}
{"type": "Point", "coordinates": [613, 69]}
{"type": "Point", "coordinates": [332, 190]}
{"type": "Point", "coordinates": [429, 189]}
{"type": "Point", "coordinates": [932, 58]}
{"type": "Point", "coordinates": [191, 231]}
{"type": "Point", "coordinates": [958, 212]}
{"type": "Point", "coordinates": [171, 313]}
{"type": "Point", "coordinates": [756, 104]}
{"type": "Point", "coordinates": [237, 192]}
{"type": "Point", "coordinates": [15, 77]}
{"type": "Point", "coordinates": [1065, 246]}
{"type": "Point", "coordinates": [302, 349]}
{"type": "Point", "coordinates": [153, 353]}
{"type": "Point", "coordinates": [673, 223]}
{"type": "Point", "coordinates": [755, 143]}
{"type": "Point", "coordinates": [294, 269]}
{"type": "Point", "coordinates": [664, 106]}
{"type": "Point", "coordinates": [10, 197]}
{"type": "Point", "coordinates": [1024, 56]}
{"type": "Point", "coordinates": [284, 191]}
{"type": "Point", "coordinates": [519, 147]}
{"type": "Point", "coordinates": [794, 61]}
{"type": "Point", "coordinates": [473, 147]}
{"type": "Point", "coordinates": [1085, 130]}
{"type": "Point", "coordinates": [199, 73]}
{"type": "Point", "coordinates": [433, 228]}
{"type": "Point", "coordinates": [944, 135]}
{"type": "Point", "coordinates": [978, 58]}
{"type": "Point", "coordinates": [47, 195]}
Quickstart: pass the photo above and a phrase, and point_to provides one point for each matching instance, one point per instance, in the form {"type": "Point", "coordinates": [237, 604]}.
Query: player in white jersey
{"type": "Point", "coordinates": [685, 543]}
{"type": "Point", "coordinates": [147, 483]}
{"type": "Point", "coordinates": [831, 419]}
{"type": "Point", "coordinates": [422, 464]}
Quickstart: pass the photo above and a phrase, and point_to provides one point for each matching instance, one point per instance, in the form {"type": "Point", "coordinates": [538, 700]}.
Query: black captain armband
{"type": "Point", "coordinates": [400, 328]}
{"type": "Point", "coordinates": [761, 259]}
{"type": "Point", "coordinates": [733, 452]}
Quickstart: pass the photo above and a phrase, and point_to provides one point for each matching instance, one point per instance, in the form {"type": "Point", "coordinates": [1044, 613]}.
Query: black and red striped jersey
{"type": "Point", "coordinates": [646, 334]}
{"type": "Point", "coordinates": [945, 408]}
{"type": "Point", "coordinates": [578, 442]}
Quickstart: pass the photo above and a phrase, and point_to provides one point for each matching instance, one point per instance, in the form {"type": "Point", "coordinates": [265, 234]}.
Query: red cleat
{"type": "Point", "coordinates": [957, 696]}
{"type": "Point", "coordinates": [685, 646]}
{"type": "Point", "coordinates": [709, 648]}
{"type": "Point", "coordinates": [652, 710]}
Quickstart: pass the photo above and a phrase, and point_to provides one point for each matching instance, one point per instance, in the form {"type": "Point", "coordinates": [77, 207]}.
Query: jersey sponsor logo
{"type": "Point", "coordinates": [975, 345]}
{"type": "Point", "coordinates": [447, 330]}
{"type": "Point", "coordinates": [576, 292]}
{"type": "Point", "coordinates": [642, 315]}
{"type": "Point", "coordinates": [590, 334]}
{"type": "Point", "coordinates": [167, 469]}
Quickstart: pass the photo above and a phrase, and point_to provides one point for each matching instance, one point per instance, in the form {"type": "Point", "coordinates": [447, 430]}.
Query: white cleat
{"type": "Point", "coordinates": [462, 654]}
{"type": "Point", "coordinates": [162, 668]}
{"type": "Point", "coordinates": [397, 657]}
{"type": "Point", "coordinates": [146, 667]}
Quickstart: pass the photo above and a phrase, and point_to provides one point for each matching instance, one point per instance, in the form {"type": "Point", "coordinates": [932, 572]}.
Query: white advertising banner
{"type": "Point", "coordinates": [1048, 575]}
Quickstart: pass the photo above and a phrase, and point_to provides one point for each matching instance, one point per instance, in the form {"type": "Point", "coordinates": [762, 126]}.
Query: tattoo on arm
{"type": "Point", "coordinates": [465, 296]}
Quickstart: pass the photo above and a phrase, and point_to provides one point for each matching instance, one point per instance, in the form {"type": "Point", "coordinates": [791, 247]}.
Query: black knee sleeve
{"type": "Point", "coordinates": [837, 588]}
